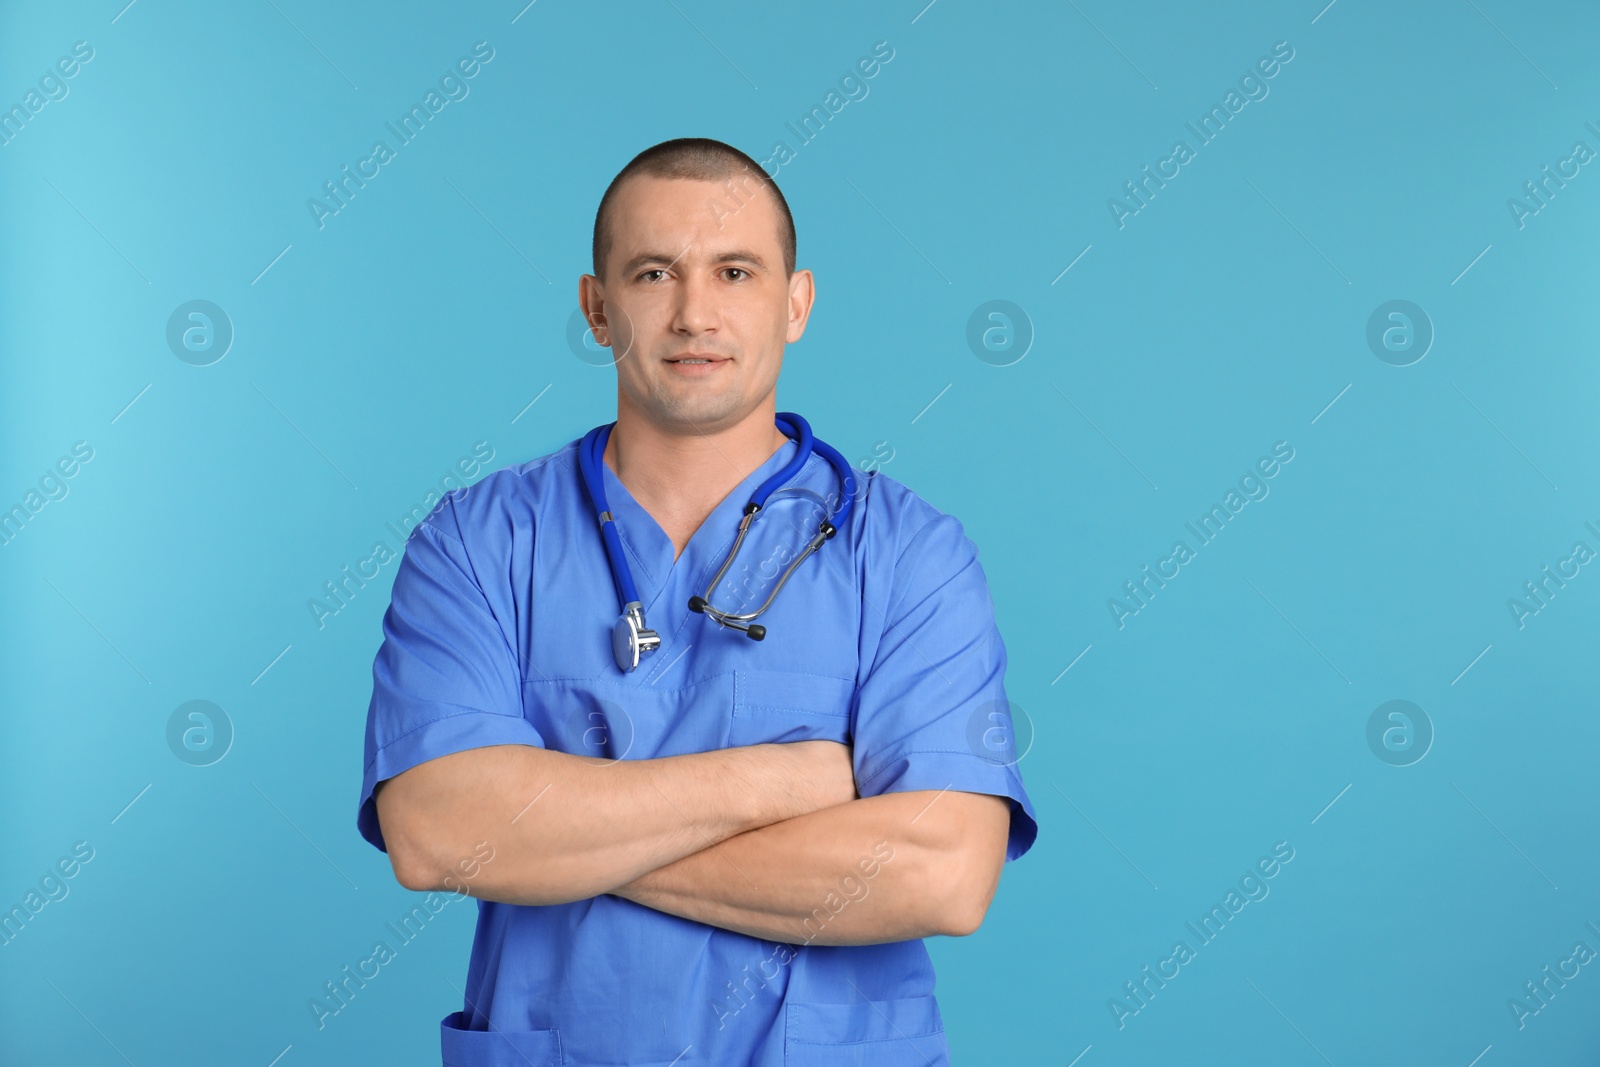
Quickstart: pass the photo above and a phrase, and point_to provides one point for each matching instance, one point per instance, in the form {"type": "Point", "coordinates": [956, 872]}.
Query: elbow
{"type": "Point", "coordinates": [411, 868]}
{"type": "Point", "coordinates": [972, 878]}
{"type": "Point", "coordinates": [407, 871]}
{"type": "Point", "coordinates": [408, 854]}
{"type": "Point", "coordinates": [963, 915]}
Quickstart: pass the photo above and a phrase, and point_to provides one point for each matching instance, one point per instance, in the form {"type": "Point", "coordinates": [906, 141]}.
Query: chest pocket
{"type": "Point", "coordinates": [779, 706]}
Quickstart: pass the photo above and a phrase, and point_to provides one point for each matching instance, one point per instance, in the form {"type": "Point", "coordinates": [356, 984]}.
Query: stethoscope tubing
{"type": "Point", "coordinates": [591, 452]}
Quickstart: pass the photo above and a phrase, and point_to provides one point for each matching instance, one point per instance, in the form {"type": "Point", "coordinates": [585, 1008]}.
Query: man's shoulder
{"type": "Point", "coordinates": [895, 516]}
{"type": "Point", "coordinates": [508, 497]}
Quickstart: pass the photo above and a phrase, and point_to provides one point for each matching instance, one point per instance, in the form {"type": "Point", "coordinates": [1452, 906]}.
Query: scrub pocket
{"type": "Point", "coordinates": [879, 1033]}
{"type": "Point", "coordinates": [498, 1048]}
{"type": "Point", "coordinates": [781, 706]}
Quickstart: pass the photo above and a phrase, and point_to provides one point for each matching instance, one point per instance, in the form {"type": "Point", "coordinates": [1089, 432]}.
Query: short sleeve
{"type": "Point", "coordinates": [445, 678]}
{"type": "Point", "coordinates": [932, 712]}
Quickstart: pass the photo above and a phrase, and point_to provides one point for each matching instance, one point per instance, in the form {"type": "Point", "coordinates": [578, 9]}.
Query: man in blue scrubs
{"type": "Point", "coordinates": [731, 854]}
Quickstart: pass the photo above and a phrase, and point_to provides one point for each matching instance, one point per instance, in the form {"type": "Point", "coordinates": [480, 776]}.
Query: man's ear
{"type": "Point", "coordinates": [592, 301]}
{"type": "Point", "coordinates": [802, 293]}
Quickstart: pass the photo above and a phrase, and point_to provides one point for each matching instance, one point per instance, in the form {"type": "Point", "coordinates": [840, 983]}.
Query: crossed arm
{"type": "Point", "coordinates": [766, 840]}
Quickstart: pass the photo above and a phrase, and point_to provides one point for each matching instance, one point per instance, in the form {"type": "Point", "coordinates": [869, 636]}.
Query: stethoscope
{"type": "Point", "coordinates": [630, 638]}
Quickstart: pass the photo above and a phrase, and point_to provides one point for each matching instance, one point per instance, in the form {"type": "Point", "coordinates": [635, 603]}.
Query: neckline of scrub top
{"type": "Point", "coordinates": [648, 546]}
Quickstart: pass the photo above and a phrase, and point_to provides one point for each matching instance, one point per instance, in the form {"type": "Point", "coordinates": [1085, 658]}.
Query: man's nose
{"type": "Point", "coordinates": [696, 307]}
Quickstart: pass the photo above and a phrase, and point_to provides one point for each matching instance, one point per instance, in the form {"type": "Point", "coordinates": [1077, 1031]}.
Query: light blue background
{"type": "Point", "coordinates": [1227, 315]}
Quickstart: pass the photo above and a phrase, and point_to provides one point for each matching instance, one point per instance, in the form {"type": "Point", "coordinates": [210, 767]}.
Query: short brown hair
{"type": "Point", "coordinates": [697, 159]}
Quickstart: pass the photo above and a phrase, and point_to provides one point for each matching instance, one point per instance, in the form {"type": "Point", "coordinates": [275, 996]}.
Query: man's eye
{"type": "Point", "coordinates": [739, 271]}
{"type": "Point", "coordinates": [646, 275]}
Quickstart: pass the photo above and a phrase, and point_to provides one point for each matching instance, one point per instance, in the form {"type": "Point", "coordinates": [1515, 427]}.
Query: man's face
{"type": "Point", "coordinates": [691, 276]}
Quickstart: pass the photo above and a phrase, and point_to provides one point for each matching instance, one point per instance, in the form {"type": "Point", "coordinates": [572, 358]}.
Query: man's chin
{"type": "Point", "coordinates": [696, 409]}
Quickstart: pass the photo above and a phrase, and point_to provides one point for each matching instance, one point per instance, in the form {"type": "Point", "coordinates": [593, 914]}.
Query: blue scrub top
{"type": "Point", "coordinates": [498, 632]}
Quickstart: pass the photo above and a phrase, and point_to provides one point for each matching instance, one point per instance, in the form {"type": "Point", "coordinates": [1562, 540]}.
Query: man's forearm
{"type": "Point", "coordinates": [566, 827]}
{"type": "Point", "coordinates": [884, 868]}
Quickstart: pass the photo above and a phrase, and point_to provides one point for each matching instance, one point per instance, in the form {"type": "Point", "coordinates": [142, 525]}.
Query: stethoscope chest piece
{"type": "Point", "coordinates": [630, 639]}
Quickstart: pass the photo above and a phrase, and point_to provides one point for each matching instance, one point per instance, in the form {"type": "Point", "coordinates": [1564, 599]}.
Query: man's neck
{"type": "Point", "coordinates": [680, 478]}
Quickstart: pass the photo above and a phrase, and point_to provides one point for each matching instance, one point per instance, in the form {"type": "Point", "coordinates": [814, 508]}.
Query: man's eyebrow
{"type": "Point", "coordinates": [741, 255]}
{"type": "Point", "coordinates": [737, 255]}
